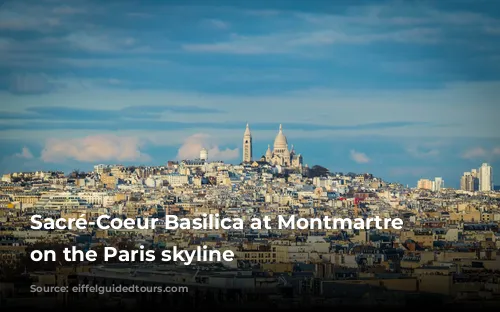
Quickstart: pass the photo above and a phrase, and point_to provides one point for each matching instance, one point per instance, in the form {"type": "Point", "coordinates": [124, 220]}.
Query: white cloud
{"type": "Point", "coordinates": [448, 108]}
{"type": "Point", "coordinates": [94, 149]}
{"type": "Point", "coordinates": [25, 153]}
{"type": "Point", "coordinates": [216, 23]}
{"type": "Point", "coordinates": [474, 153]}
{"type": "Point", "coordinates": [291, 42]}
{"type": "Point", "coordinates": [193, 145]}
{"type": "Point", "coordinates": [14, 17]}
{"type": "Point", "coordinates": [415, 152]}
{"type": "Point", "coordinates": [398, 14]}
{"type": "Point", "coordinates": [131, 63]}
{"type": "Point", "coordinates": [96, 42]}
{"type": "Point", "coordinates": [29, 83]}
{"type": "Point", "coordinates": [425, 149]}
{"type": "Point", "coordinates": [418, 24]}
{"type": "Point", "coordinates": [360, 158]}
{"type": "Point", "coordinates": [479, 152]}
{"type": "Point", "coordinates": [40, 17]}
{"type": "Point", "coordinates": [241, 45]}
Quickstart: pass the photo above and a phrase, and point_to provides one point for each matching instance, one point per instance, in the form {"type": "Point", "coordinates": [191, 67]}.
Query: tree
{"type": "Point", "coordinates": [318, 171]}
{"type": "Point", "coordinates": [74, 174]}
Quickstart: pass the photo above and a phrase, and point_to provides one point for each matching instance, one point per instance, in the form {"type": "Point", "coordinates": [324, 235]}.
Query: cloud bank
{"type": "Point", "coordinates": [192, 146]}
{"type": "Point", "coordinates": [25, 153]}
{"type": "Point", "coordinates": [480, 152]}
{"type": "Point", "coordinates": [96, 148]}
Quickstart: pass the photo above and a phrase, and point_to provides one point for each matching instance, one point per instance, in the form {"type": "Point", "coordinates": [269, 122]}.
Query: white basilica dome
{"type": "Point", "coordinates": [280, 142]}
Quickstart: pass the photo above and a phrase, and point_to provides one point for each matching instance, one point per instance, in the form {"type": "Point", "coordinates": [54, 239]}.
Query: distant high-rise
{"type": "Point", "coordinates": [474, 173]}
{"type": "Point", "coordinates": [424, 184]}
{"type": "Point", "coordinates": [247, 145]}
{"type": "Point", "coordinates": [468, 182]}
{"type": "Point", "coordinates": [485, 178]}
{"type": "Point", "coordinates": [437, 184]}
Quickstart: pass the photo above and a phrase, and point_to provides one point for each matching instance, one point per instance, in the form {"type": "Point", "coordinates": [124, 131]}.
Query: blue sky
{"type": "Point", "coordinates": [402, 89]}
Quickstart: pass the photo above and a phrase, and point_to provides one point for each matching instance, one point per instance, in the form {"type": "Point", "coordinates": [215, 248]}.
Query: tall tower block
{"type": "Point", "coordinates": [485, 178]}
{"type": "Point", "coordinates": [247, 145]}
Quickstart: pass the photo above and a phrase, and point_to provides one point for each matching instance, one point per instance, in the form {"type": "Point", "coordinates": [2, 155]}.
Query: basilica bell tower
{"type": "Point", "coordinates": [247, 145]}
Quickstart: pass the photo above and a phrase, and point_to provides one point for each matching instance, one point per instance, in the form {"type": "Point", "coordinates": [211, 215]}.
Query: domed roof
{"type": "Point", "coordinates": [280, 141]}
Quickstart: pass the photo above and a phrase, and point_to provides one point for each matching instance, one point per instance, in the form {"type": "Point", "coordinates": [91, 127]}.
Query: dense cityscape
{"type": "Point", "coordinates": [446, 251]}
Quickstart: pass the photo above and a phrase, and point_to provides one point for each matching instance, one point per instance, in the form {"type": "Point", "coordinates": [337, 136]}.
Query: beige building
{"type": "Point", "coordinates": [424, 184]}
{"type": "Point", "coordinates": [109, 181]}
{"type": "Point", "coordinates": [468, 182]}
{"type": "Point", "coordinates": [426, 238]}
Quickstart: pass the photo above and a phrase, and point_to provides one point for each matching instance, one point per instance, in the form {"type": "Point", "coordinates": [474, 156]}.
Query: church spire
{"type": "Point", "coordinates": [247, 130]}
{"type": "Point", "coordinates": [281, 128]}
{"type": "Point", "coordinates": [247, 145]}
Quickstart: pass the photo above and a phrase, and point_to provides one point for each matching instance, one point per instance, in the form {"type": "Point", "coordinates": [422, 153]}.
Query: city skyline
{"type": "Point", "coordinates": [403, 92]}
{"type": "Point", "coordinates": [275, 156]}
{"type": "Point", "coordinates": [249, 154]}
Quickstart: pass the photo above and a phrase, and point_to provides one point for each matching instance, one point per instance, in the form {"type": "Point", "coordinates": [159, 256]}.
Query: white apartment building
{"type": "Point", "coordinates": [437, 184]}
{"type": "Point", "coordinates": [485, 178]}
{"type": "Point", "coordinates": [60, 201]}
{"type": "Point", "coordinates": [100, 169]}
{"type": "Point", "coordinates": [177, 179]}
{"type": "Point", "coordinates": [97, 198]}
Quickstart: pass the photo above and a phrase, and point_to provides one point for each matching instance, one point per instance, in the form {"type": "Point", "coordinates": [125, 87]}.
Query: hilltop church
{"type": "Point", "coordinates": [281, 155]}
